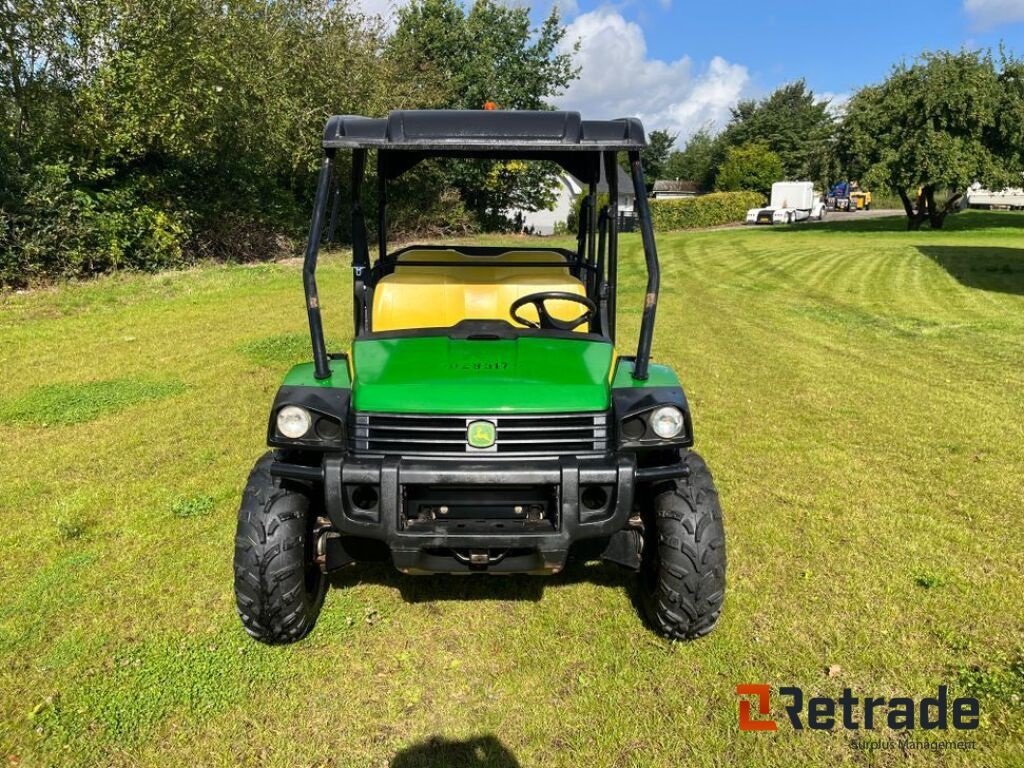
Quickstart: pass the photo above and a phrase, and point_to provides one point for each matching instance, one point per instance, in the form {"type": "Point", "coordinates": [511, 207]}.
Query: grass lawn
{"type": "Point", "coordinates": [857, 390]}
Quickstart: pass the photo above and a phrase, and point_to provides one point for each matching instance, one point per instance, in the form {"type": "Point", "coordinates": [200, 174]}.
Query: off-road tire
{"type": "Point", "coordinates": [279, 590]}
{"type": "Point", "coordinates": [683, 569]}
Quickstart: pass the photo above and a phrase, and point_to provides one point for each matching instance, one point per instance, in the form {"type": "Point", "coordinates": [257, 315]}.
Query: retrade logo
{"type": "Point", "coordinates": [849, 712]}
{"type": "Point", "coordinates": [480, 434]}
{"type": "Point", "coordinates": [747, 722]}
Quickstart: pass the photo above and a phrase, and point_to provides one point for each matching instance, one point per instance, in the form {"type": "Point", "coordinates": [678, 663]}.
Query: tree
{"type": "Point", "coordinates": [488, 53]}
{"type": "Point", "coordinates": [935, 127]}
{"type": "Point", "coordinates": [654, 156]}
{"type": "Point", "coordinates": [696, 160]}
{"type": "Point", "coordinates": [143, 134]}
{"type": "Point", "coordinates": [751, 167]}
{"type": "Point", "coordinates": [792, 122]}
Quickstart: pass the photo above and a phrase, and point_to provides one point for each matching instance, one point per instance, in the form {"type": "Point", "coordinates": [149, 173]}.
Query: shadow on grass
{"type": "Point", "coordinates": [483, 751]}
{"type": "Point", "coordinates": [988, 269]}
{"type": "Point", "coordinates": [435, 588]}
{"type": "Point", "coordinates": [959, 222]}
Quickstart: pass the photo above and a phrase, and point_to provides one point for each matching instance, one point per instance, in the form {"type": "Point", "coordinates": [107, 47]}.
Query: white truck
{"type": "Point", "coordinates": [792, 201]}
{"type": "Point", "coordinates": [1010, 199]}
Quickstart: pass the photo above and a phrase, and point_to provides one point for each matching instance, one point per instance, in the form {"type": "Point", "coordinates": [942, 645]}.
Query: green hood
{"type": "Point", "coordinates": [438, 374]}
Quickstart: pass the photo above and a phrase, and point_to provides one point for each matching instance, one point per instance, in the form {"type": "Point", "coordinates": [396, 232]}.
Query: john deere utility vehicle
{"type": "Point", "coordinates": [484, 419]}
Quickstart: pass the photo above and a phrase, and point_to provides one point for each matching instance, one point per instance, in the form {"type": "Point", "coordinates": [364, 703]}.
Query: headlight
{"type": "Point", "coordinates": [667, 422]}
{"type": "Point", "coordinates": [293, 422]}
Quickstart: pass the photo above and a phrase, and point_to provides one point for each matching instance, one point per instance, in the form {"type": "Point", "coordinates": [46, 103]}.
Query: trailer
{"type": "Point", "coordinates": [791, 201]}
{"type": "Point", "coordinates": [1000, 200]}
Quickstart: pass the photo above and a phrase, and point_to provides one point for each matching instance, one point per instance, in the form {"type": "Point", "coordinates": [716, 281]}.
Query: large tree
{"type": "Point", "coordinates": [754, 167]}
{"type": "Point", "coordinates": [487, 54]}
{"type": "Point", "coordinates": [138, 134]}
{"type": "Point", "coordinates": [935, 127]}
{"type": "Point", "coordinates": [792, 121]}
{"type": "Point", "coordinates": [696, 161]}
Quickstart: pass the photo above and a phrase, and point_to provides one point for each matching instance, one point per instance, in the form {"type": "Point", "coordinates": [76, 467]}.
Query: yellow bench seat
{"type": "Point", "coordinates": [440, 296]}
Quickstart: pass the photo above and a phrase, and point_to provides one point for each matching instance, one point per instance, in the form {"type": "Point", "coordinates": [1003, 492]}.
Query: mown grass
{"type": "Point", "coordinates": [857, 391]}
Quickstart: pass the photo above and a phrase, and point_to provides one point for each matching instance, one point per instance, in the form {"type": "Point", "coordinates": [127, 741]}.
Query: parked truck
{"type": "Point", "coordinates": [848, 196]}
{"type": "Point", "coordinates": [791, 201]}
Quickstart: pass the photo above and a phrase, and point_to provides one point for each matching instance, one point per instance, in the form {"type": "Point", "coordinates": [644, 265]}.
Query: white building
{"type": "Point", "coordinates": [569, 188]}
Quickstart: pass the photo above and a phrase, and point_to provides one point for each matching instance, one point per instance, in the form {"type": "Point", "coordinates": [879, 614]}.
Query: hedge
{"type": "Point", "coordinates": [706, 211]}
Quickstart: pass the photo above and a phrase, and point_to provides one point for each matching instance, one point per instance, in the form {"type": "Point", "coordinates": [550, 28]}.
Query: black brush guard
{"type": "Point", "coordinates": [496, 516]}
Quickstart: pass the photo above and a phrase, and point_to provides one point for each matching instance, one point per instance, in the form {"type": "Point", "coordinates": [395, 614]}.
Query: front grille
{"type": "Point", "coordinates": [541, 434]}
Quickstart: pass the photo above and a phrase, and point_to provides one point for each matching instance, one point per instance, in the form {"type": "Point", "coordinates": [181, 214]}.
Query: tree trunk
{"type": "Point", "coordinates": [916, 214]}
{"type": "Point", "coordinates": [938, 217]}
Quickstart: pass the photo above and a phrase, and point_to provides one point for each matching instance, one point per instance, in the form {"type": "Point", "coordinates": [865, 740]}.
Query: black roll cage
{"type": "Point", "coordinates": [594, 262]}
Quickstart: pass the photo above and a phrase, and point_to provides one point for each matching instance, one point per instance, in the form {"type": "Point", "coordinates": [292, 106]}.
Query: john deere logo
{"type": "Point", "coordinates": [480, 434]}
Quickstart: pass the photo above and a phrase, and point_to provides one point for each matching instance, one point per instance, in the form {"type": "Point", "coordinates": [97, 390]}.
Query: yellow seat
{"type": "Point", "coordinates": [439, 296]}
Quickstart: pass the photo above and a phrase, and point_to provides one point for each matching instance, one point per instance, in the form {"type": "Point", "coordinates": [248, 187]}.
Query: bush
{"type": "Point", "coordinates": [707, 211]}
{"type": "Point", "coordinates": [752, 166]}
{"type": "Point", "coordinates": [65, 229]}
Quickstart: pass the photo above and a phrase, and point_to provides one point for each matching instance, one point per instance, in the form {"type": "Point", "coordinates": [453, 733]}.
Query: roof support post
{"type": "Point", "coordinates": [643, 351]}
{"type": "Point", "coordinates": [591, 277]}
{"type": "Point", "coordinates": [611, 172]}
{"type": "Point", "coordinates": [382, 210]}
{"type": "Point", "coordinates": [581, 236]}
{"type": "Point", "coordinates": [360, 246]}
{"type": "Point", "coordinates": [316, 226]}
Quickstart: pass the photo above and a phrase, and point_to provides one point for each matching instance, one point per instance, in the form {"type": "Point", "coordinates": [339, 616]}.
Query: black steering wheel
{"type": "Point", "coordinates": [547, 322]}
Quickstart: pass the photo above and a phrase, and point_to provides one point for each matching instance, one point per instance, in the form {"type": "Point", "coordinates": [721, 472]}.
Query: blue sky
{"type": "Point", "coordinates": [680, 64]}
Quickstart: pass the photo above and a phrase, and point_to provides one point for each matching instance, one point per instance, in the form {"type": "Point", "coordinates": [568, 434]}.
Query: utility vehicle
{"type": "Point", "coordinates": [483, 420]}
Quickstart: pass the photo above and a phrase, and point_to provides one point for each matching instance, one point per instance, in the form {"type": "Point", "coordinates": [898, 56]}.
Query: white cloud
{"type": "Point", "coordinates": [383, 8]}
{"type": "Point", "coordinates": [541, 9]}
{"type": "Point", "coordinates": [992, 13]}
{"type": "Point", "coordinates": [836, 102]}
{"type": "Point", "coordinates": [617, 79]}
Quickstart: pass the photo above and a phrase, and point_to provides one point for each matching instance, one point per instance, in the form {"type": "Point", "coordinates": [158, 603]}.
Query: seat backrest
{"type": "Point", "coordinates": [416, 296]}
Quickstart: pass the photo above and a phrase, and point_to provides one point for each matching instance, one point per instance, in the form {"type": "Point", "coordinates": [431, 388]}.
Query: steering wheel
{"type": "Point", "coordinates": [547, 322]}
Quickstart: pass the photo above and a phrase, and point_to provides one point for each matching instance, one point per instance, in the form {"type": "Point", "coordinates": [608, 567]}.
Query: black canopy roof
{"type": "Point", "coordinates": [472, 131]}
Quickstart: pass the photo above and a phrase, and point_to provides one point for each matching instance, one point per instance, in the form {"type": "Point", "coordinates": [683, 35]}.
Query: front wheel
{"type": "Point", "coordinates": [683, 571]}
{"type": "Point", "coordinates": [279, 589]}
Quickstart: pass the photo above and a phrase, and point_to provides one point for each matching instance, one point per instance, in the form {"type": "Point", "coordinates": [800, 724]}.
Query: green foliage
{"type": "Point", "coordinates": [487, 53]}
{"type": "Point", "coordinates": [753, 167]}
{"type": "Point", "coordinates": [143, 135]}
{"type": "Point", "coordinates": [573, 220]}
{"type": "Point", "coordinates": [696, 161]}
{"type": "Point", "coordinates": [59, 404]}
{"type": "Point", "coordinates": [654, 157]}
{"type": "Point", "coordinates": [794, 124]}
{"type": "Point", "coordinates": [705, 211]}
{"type": "Point", "coordinates": [64, 228]}
{"type": "Point", "coordinates": [938, 125]}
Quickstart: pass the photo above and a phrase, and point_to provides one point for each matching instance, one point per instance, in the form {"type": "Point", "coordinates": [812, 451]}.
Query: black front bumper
{"type": "Point", "coordinates": [374, 498]}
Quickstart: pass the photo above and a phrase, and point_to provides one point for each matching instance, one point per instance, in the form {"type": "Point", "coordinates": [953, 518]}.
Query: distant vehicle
{"type": "Point", "coordinates": [848, 196]}
{"type": "Point", "coordinates": [1004, 199]}
{"type": "Point", "coordinates": [792, 201]}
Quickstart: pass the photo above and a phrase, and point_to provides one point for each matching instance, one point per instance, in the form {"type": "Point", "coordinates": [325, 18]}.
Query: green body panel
{"type": "Point", "coordinates": [437, 374]}
{"type": "Point", "coordinates": [657, 376]}
{"type": "Point", "coordinates": [301, 375]}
